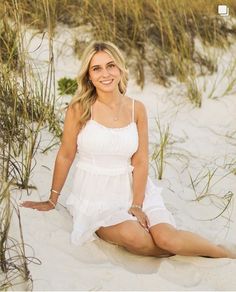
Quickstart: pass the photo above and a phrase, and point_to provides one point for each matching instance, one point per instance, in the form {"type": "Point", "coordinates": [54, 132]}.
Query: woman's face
{"type": "Point", "coordinates": [104, 73]}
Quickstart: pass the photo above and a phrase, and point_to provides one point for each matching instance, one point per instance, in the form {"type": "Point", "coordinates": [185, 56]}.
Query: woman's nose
{"type": "Point", "coordinates": [105, 72]}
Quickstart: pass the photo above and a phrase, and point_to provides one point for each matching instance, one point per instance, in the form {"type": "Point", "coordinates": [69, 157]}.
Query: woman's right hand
{"type": "Point", "coordinates": [40, 206]}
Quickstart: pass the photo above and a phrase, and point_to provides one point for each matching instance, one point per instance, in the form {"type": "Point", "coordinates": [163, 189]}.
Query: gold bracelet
{"type": "Point", "coordinates": [136, 206]}
{"type": "Point", "coordinates": [50, 201]}
{"type": "Point", "coordinates": [56, 192]}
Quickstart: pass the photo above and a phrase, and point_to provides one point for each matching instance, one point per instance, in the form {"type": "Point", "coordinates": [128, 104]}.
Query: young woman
{"type": "Point", "coordinates": [112, 196]}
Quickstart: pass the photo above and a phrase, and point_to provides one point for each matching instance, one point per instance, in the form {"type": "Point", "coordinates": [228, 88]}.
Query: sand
{"type": "Point", "coordinates": [200, 146]}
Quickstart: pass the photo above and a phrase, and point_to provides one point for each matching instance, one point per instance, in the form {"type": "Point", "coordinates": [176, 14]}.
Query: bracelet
{"type": "Point", "coordinates": [50, 201]}
{"type": "Point", "coordinates": [53, 191]}
{"type": "Point", "coordinates": [136, 206]}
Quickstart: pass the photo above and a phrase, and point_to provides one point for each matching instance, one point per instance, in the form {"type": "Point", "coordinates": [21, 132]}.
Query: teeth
{"type": "Point", "coordinates": [106, 82]}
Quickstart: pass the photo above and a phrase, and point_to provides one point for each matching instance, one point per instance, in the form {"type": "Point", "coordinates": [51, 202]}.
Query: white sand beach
{"type": "Point", "coordinates": [199, 147]}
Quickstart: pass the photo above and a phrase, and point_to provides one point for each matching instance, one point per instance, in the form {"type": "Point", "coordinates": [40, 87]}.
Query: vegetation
{"type": "Point", "coordinates": [203, 186]}
{"type": "Point", "coordinates": [67, 86]}
{"type": "Point", "coordinates": [27, 105]}
{"type": "Point", "coordinates": [165, 149]}
{"type": "Point", "coordinates": [13, 259]}
{"type": "Point", "coordinates": [159, 35]}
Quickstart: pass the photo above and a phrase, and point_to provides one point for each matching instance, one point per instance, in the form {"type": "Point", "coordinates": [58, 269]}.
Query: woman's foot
{"type": "Point", "coordinates": [230, 249]}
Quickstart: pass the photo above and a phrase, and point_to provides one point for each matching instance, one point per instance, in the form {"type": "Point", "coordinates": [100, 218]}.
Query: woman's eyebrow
{"type": "Point", "coordinates": [111, 62]}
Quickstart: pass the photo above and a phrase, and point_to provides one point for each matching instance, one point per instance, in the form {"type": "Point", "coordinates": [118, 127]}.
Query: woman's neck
{"type": "Point", "coordinates": [109, 98]}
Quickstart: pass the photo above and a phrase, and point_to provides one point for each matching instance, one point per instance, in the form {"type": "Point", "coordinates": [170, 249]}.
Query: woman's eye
{"type": "Point", "coordinates": [96, 69]}
{"type": "Point", "coordinates": [111, 65]}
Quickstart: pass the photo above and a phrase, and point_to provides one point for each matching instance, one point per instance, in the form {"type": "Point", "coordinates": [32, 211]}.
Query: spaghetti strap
{"type": "Point", "coordinates": [133, 111]}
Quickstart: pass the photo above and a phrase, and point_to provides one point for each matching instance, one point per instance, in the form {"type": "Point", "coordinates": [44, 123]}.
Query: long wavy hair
{"type": "Point", "coordinates": [86, 93]}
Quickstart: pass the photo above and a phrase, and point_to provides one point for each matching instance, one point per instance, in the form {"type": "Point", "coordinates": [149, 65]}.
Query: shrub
{"type": "Point", "coordinates": [67, 86]}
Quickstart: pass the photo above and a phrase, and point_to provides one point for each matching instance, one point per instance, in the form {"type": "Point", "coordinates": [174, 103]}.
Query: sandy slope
{"type": "Point", "coordinates": [200, 136]}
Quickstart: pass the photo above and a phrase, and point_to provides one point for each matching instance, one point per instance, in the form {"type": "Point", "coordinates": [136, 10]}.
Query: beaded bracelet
{"type": "Point", "coordinates": [56, 192]}
{"type": "Point", "coordinates": [136, 206]}
{"type": "Point", "coordinates": [50, 201]}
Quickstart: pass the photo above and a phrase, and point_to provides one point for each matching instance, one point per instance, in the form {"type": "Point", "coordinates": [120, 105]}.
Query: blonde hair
{"type": "Point", "coordinates": [86, 92]}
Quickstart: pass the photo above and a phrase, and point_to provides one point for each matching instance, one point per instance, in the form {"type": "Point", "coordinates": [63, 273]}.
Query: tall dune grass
{"type": "Point", "coordinates": [159, 35]}
{"type": "Point", "coordinates": [27, 105]}
{"type": "Point", "coordinates": [203, 187]}
{"type": "Point", "coordinates": [13, 260]}
{"type": "Point", "coordinates": [165, 149]}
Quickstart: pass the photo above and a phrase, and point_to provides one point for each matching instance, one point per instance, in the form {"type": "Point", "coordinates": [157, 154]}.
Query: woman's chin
{"type": "Point", "coordinates": [107, 89]}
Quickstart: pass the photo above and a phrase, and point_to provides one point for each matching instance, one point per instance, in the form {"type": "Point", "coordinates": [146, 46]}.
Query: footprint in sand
{"type": "Point", "coordinates": [183, 274]}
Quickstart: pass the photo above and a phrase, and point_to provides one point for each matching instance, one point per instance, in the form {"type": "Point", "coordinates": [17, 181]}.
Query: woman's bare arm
{"type": "Point", "coordinates": [140, 158]}
{"type": "Point", "coordinates": [64, 159]}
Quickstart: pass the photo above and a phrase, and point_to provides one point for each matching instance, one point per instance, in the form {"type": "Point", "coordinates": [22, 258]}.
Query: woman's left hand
{"type": "Point", "coordinates": [141, 216]}
{"type": "Point", "coordinates": [40, 206]}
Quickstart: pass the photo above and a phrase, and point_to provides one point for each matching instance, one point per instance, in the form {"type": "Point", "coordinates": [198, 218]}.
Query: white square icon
{"type": "Point", "coordinates": [223, 10]}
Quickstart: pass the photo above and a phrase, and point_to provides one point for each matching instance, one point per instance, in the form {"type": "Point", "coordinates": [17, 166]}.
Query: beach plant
{"type": "Point", "coordinates": [232, 166]}
{"type": "Point", "coordinates": [231, 78]}
{"type": "Point", "coordinates": [160, 150]}
{"type": "Point", "coordinates": [161, 34]}
{"type": "Point", "coordinates": [21, 119]}
{"type": "Point", "coordinates": [8, 44]}
{"type": "Point", "coordinates": [67, 86]}
{"type": "Point", "coordinates": [231, 139]}
{"type": "Point", "coordinates": [193, 92]}
{"type": "Point", "coordinates": [13, 260]}
{"type": "Point", "coordinates": [164, 149]}
{"type": "Point", "coordinates": [27, 106]}
{"type": "Point", "coordinates": [227, 77]}
{"type": "Point", "coordinates": [203, 187]}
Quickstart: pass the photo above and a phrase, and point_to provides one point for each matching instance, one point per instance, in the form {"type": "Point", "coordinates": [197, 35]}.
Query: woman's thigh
{"type": "Point", "coordinates": [126, 233]}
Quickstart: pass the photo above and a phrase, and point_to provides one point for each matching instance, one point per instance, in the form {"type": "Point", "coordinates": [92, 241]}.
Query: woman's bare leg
{"type": "Point", "coordinates": [133, 237]}
{"type": "Point", "coordinates": [185, 243]}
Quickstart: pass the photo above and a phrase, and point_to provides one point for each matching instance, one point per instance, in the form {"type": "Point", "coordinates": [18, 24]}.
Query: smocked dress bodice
{"type": "Point", "coordinates": [106, 150]}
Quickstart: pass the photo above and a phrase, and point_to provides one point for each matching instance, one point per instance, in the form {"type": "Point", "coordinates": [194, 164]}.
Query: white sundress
{"type": "Point", "coordinates": [102, 187]}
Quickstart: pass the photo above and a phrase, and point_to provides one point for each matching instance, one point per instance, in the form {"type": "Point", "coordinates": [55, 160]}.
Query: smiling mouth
{"type": "Point", "coordinates": [107, 82]}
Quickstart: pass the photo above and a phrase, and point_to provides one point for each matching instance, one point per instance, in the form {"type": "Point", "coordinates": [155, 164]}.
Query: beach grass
{"type": "Point", "coordinates": [158, 34]}
{"type": "Point", "coordinates": [27, 106]}
{"type": "Point", "coordinates": [194, 94]}
{"type": "Point", "coordinates": [203, 187]}
{"type": "Point", "coordinates": [165, 149]}
{"type": "Point", "coordinates": [13, 259]}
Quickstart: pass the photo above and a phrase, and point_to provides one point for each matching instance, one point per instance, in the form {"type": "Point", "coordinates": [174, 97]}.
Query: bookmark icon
{"type": "Point", "coordinates": [223, 10]}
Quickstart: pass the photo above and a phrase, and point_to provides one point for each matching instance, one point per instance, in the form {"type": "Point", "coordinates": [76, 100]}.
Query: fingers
{"type": "Point", "coordinates": [27, 204]}
{"type": "Point", "coordinates": [144, 221]}
{"type": "Point", "coordinates": [40, 206]}
{"type": "Point", "coordinates": [142, 218]}
{"type": "Point", "coordinates": [148, 222]}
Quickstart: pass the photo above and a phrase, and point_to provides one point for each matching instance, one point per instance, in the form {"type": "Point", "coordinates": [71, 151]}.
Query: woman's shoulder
{"type": "Point", "coordinates": [139, 108]}
{"type": "Point", "coordinates": [74, 107]}
{"type": "Point", "coordinates": [74, 113]}
{"type": "Point", "coordinates": [138, 105]}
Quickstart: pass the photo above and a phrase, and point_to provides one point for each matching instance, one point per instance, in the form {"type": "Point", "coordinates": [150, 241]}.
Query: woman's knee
{"type": "Point", "coordinates": [167, 240]}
